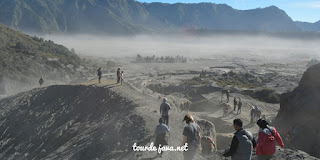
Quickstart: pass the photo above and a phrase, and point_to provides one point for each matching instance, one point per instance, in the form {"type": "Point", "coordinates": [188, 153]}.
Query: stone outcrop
{"type": "Point", "coordinates": [300, 109]}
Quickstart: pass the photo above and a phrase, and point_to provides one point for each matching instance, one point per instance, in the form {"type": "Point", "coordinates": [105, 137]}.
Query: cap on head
{"type": "Point", "coordinates": [164, 99]}
{"type": "Point", "coordinates": [188, 118]}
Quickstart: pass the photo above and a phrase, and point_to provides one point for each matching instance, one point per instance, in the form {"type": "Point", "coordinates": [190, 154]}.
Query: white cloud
{"type": "Point", "coordinates": [311, 4]}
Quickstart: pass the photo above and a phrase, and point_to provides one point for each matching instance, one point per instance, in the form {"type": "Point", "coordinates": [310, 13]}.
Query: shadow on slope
{"type": "Point", "coordinates": [69, 122]}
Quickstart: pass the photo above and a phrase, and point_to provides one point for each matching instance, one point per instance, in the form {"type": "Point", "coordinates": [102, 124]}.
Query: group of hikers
{"type": "Point", "coordinates": [191, 134]}
{"type": "Point", "coordinates": [120, 75]}
{"type": "Point", "coordinates": [186, 105]}
{"type": "Point", "coordinates": [235, 104]}
{"type": "Point", "coordinates": [255, 112]}
{"type": "Point", "coordinates": [242, 144]}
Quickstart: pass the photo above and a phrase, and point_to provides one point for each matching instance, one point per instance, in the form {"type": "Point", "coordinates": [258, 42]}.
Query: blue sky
{"type": "Point", "coordinates": [307, 10]}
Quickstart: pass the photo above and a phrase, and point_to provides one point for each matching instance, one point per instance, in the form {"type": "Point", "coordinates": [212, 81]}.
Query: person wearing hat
{"type": "Point", "coordinates": [266, 145]}
{"type": "Point", "coordinates": [160, 133]}
{"type": "Point", "coordinates": [191, 136]}
{"type": "Point", "coordinates": [164, 110]}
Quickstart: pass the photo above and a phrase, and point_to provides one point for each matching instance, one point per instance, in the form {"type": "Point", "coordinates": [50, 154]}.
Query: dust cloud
{"type": "Point", "coordinates": [266, 47]}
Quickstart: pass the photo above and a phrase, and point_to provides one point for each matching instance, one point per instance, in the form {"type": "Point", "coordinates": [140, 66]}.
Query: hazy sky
{"type": "Point", "coordinates": [298, 10]}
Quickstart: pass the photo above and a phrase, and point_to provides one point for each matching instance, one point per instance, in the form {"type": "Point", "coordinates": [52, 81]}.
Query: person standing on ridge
{"type": "Point", "coordinates": [122, 77]}
{"type": "Point", "coordinates": [118, 75]}
{"type": "Point", "coordinates": [164, 111]}
{"type": "Point", "coordinates": [41, 81]}
{"type": "Point", "coordinates": [160, 132]}
{"type": "Point", "coordinates": [99, 74]}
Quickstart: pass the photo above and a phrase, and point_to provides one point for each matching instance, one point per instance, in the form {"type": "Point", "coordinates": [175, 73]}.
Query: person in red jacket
{"type": "Point", "coordinates": [266, 145]}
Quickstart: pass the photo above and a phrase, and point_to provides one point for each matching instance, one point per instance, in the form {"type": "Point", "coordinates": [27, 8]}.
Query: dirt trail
{"type": "Point", "coordinates": [213, 110]}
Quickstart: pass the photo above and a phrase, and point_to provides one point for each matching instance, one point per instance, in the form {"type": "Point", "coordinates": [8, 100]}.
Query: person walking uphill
{"type": "Point", "coordinates": [160, 132]}
{"type": "Point", "coordinates": [239, 106]}
{"type": "Point", "coordinates": [191, 135]}
{"type": "Point", "coordinates": [99, 74]}
{"type": "Point", "coordinates": [118, 75]}
{"type": "Point", "coordinates": [242, 143]}
{"type": "Point", "coordinates": [164, 111]}
{"type": "Point", "coordinates": [266, 145]}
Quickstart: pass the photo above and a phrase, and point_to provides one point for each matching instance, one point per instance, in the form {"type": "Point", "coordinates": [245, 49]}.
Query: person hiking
{"type": "Point", "coordinates": [239, 106]}
{"type": "Point", "coordinates": [118, 75]}
{"type": "Point", "coordinates": [235, 103]}
{"type": "Point", "coordinates": [207, 145]}
{"type": "Point", "coordinates": [191, 136]}
{"type": "Point", "coordinates": [122, 77]}
{"type": "Point", "coordinates": [257, 113]}
{"type": "Point", "coordinates": [266, 145]}
{"type": "Point", "coordinates": [227, 92]}
{"type": "Point", "coordinates": [182, 107]}
{"type": "Point", "coordinates": [225, 110]}
{"type": "Point", "coordinates": [228, 95]}
{"type": "Point", "coordinates": [188, 106]}
{"type": "Point", "coordinates": [164, 110]}
{"type": "Point", "coordinates": [242, 143]}
{"type": "Point", "coordinates": [99, 74]}
{"type": "Point", "coordinates": [41, 81]}
{"type": "Point", "coordinates": [160, 133]}
{"type": "Point", "coordinates": [252, 114]}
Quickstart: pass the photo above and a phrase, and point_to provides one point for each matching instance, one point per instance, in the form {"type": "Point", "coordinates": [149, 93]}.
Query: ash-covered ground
{"type": "Point", "coordinates": [102, 121]}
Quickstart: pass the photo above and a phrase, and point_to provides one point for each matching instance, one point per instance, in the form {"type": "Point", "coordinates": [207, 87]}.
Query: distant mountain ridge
{"type": "Point", "coordinates": [129, 16]}
{"type": "Point", "coordinates": [306, 26]}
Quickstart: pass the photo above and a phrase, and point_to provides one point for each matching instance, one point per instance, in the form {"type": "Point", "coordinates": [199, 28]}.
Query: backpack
{"type": "Point", "coordinates": [165, 108]}
{"type": "Point", "coordinates": [207, 140]}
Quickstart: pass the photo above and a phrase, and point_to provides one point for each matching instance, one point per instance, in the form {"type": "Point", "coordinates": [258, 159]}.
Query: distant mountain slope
{"type": "Point", "coordinates": [220, 17]}
{"type": "Point", "coordinates": [305, 26]}
{"type": "Point", "coordinates": [24, 59]}
{"type": "Point", "coordinates": [21, 54]}
{"type": "Point", "coordinates": [48, 16]}
{"type": "Point", "coordinates": [129, 16]}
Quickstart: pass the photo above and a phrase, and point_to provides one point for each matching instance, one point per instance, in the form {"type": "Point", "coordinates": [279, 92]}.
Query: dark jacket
{"type": "Point", "coordinates": [241, 145]}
